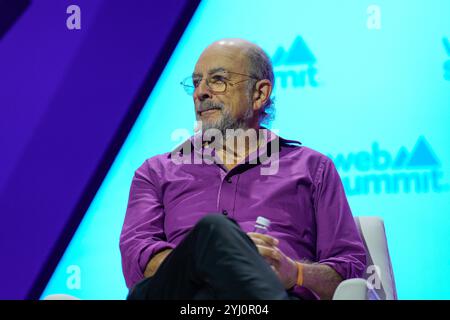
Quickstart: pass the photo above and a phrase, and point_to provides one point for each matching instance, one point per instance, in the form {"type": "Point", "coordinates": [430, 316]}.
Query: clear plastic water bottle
{"type": "Point", "coordinates": [262, 225]}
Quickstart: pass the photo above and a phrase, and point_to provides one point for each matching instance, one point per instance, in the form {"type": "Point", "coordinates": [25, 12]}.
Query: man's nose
{"type": "Point", "coordinates": [202, 92]}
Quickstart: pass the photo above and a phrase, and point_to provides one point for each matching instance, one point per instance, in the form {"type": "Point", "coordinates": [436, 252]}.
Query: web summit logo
{"type": "Point", "coordinates": [379, 171]}
{"type": "Point", "coordinates": [295, 67]}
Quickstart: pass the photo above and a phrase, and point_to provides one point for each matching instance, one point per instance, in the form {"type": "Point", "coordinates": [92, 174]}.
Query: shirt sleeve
{"type": "Point", "coordinates": [339, 244]}
{"type": "Point", "coordinates": [142, 233]}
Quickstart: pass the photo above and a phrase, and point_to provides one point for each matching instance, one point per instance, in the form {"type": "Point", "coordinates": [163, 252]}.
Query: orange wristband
{"type": "Point", "coordinates": [299, 274]}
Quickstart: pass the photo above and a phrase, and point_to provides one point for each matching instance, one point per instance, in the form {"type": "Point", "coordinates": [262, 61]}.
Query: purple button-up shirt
{"type": "Point", "coordinates": [304, 200]}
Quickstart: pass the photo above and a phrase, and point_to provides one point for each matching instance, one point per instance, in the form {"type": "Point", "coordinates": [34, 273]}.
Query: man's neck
{"type": "Point", "coordinates": [237, 147]}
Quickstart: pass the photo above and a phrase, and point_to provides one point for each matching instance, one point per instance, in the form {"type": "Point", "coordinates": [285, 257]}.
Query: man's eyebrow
{"type": "Point", "coordinates": [215, 70]}
{"type": "Point", "coordinates": [210, 72]}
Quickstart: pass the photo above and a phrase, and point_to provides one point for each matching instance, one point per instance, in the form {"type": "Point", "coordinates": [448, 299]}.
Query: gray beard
{"type": "Point", "coordinates": [227, 121]}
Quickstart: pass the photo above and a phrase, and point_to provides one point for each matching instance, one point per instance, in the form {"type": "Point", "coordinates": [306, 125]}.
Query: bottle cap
{"type": "Point", "coordinates": [263, 221]}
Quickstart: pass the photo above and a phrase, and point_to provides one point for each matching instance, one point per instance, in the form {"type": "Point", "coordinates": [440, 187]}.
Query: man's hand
{"type": "Point", "coordinates": [155, 262]}
{"type": "Point", "coordinates": [320, 278]}
{"type": "Point", "coordinates": [284, 267]}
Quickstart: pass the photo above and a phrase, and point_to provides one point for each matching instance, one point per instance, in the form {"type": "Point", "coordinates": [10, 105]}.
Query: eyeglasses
{"type": "Point", "coordinates": [216, 83]}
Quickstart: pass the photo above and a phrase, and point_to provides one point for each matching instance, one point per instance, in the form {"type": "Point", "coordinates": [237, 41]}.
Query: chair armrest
{"type": "Point", "coordinates": [355, 289]}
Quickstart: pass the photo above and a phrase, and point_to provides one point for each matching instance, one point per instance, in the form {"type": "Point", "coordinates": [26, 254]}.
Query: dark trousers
{"type": "Point", "coordinates": [216, 260]}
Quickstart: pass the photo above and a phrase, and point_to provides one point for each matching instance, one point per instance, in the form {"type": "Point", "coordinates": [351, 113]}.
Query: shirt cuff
{"type": "Point", "coordinates": [345, 268]}
{"type": "Point", "coordinates": [150, 251]}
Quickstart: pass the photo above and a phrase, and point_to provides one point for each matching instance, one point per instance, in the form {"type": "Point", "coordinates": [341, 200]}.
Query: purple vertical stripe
{"type": "Point", "coordinates": [67, 101]}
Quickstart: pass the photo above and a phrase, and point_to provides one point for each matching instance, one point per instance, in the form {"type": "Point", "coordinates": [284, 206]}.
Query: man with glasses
{"type": "Point", "coordinates": [189, 226]}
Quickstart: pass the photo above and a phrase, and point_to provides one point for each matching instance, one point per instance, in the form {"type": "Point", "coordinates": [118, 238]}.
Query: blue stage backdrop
{"type": "Point", "coordinates": [365, 82]}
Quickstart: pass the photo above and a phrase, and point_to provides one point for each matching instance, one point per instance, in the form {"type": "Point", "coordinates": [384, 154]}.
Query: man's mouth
{"type": "Point", "coordinates": [208, 112]}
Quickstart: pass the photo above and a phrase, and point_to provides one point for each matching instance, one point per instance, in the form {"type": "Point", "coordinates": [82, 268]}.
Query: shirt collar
{"type": "Point", "coordinates": [197, 144]}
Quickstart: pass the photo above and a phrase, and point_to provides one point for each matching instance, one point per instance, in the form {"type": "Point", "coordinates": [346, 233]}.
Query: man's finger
{"type": "Point", "coordinates": [269, 253]}
{"type": "Point", "coordinates": [271, 241]}
{"type": "Point", "coordinates": [260, 242]}
{"type": "Point", "coordinates": [275, 270]}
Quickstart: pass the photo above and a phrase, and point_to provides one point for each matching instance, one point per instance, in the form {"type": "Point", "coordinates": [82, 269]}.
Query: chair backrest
{"type": "Point", "coordinates": [379, 271]}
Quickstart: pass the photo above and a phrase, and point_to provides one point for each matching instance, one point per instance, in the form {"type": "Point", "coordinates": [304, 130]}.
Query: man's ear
{"type": "Point", "coordinates": [263, 89]}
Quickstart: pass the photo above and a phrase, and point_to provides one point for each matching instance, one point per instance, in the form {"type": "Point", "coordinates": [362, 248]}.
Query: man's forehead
{"type": "Point", "coordinates": [210, 71]}
{"type": "Point", "coordinates": [220, 59]}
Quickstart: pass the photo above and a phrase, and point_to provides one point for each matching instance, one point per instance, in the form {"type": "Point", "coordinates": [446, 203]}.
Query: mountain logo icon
{"type": "Point", "coordinates": [422, 156]}
{"type": "Point", "coordinates": [295, 67]}
{"type": "Point", "coordinates": [446, 65]}
{"type": "Point", "coordinates": [299, 53]}
{"type": "Point", "coordinates": [446, 43]}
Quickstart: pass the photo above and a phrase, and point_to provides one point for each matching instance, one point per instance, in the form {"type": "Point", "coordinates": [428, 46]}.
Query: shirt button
{"type": "Point", "coordinates": [225, 212]}
{"type": "Point", "coordinates": [229, 180]}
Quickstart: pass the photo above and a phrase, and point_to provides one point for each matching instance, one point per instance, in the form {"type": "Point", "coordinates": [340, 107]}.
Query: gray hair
{"type": "Point", "coordinates": [260, 67]}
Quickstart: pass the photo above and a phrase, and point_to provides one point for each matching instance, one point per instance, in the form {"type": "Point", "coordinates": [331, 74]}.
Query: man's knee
{"type": "Point", "coordinates": [216, 221]}
{"type": "Point", "coordinates": [218, 227]}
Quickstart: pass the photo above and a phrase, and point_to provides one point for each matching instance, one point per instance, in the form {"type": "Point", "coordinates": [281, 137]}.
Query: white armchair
{"type": "Point", "coordinates": [378, 282]}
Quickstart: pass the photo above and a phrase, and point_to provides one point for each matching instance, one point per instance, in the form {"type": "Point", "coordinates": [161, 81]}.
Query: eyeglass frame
{"type": "Point", "coordinates": [231, 83]}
